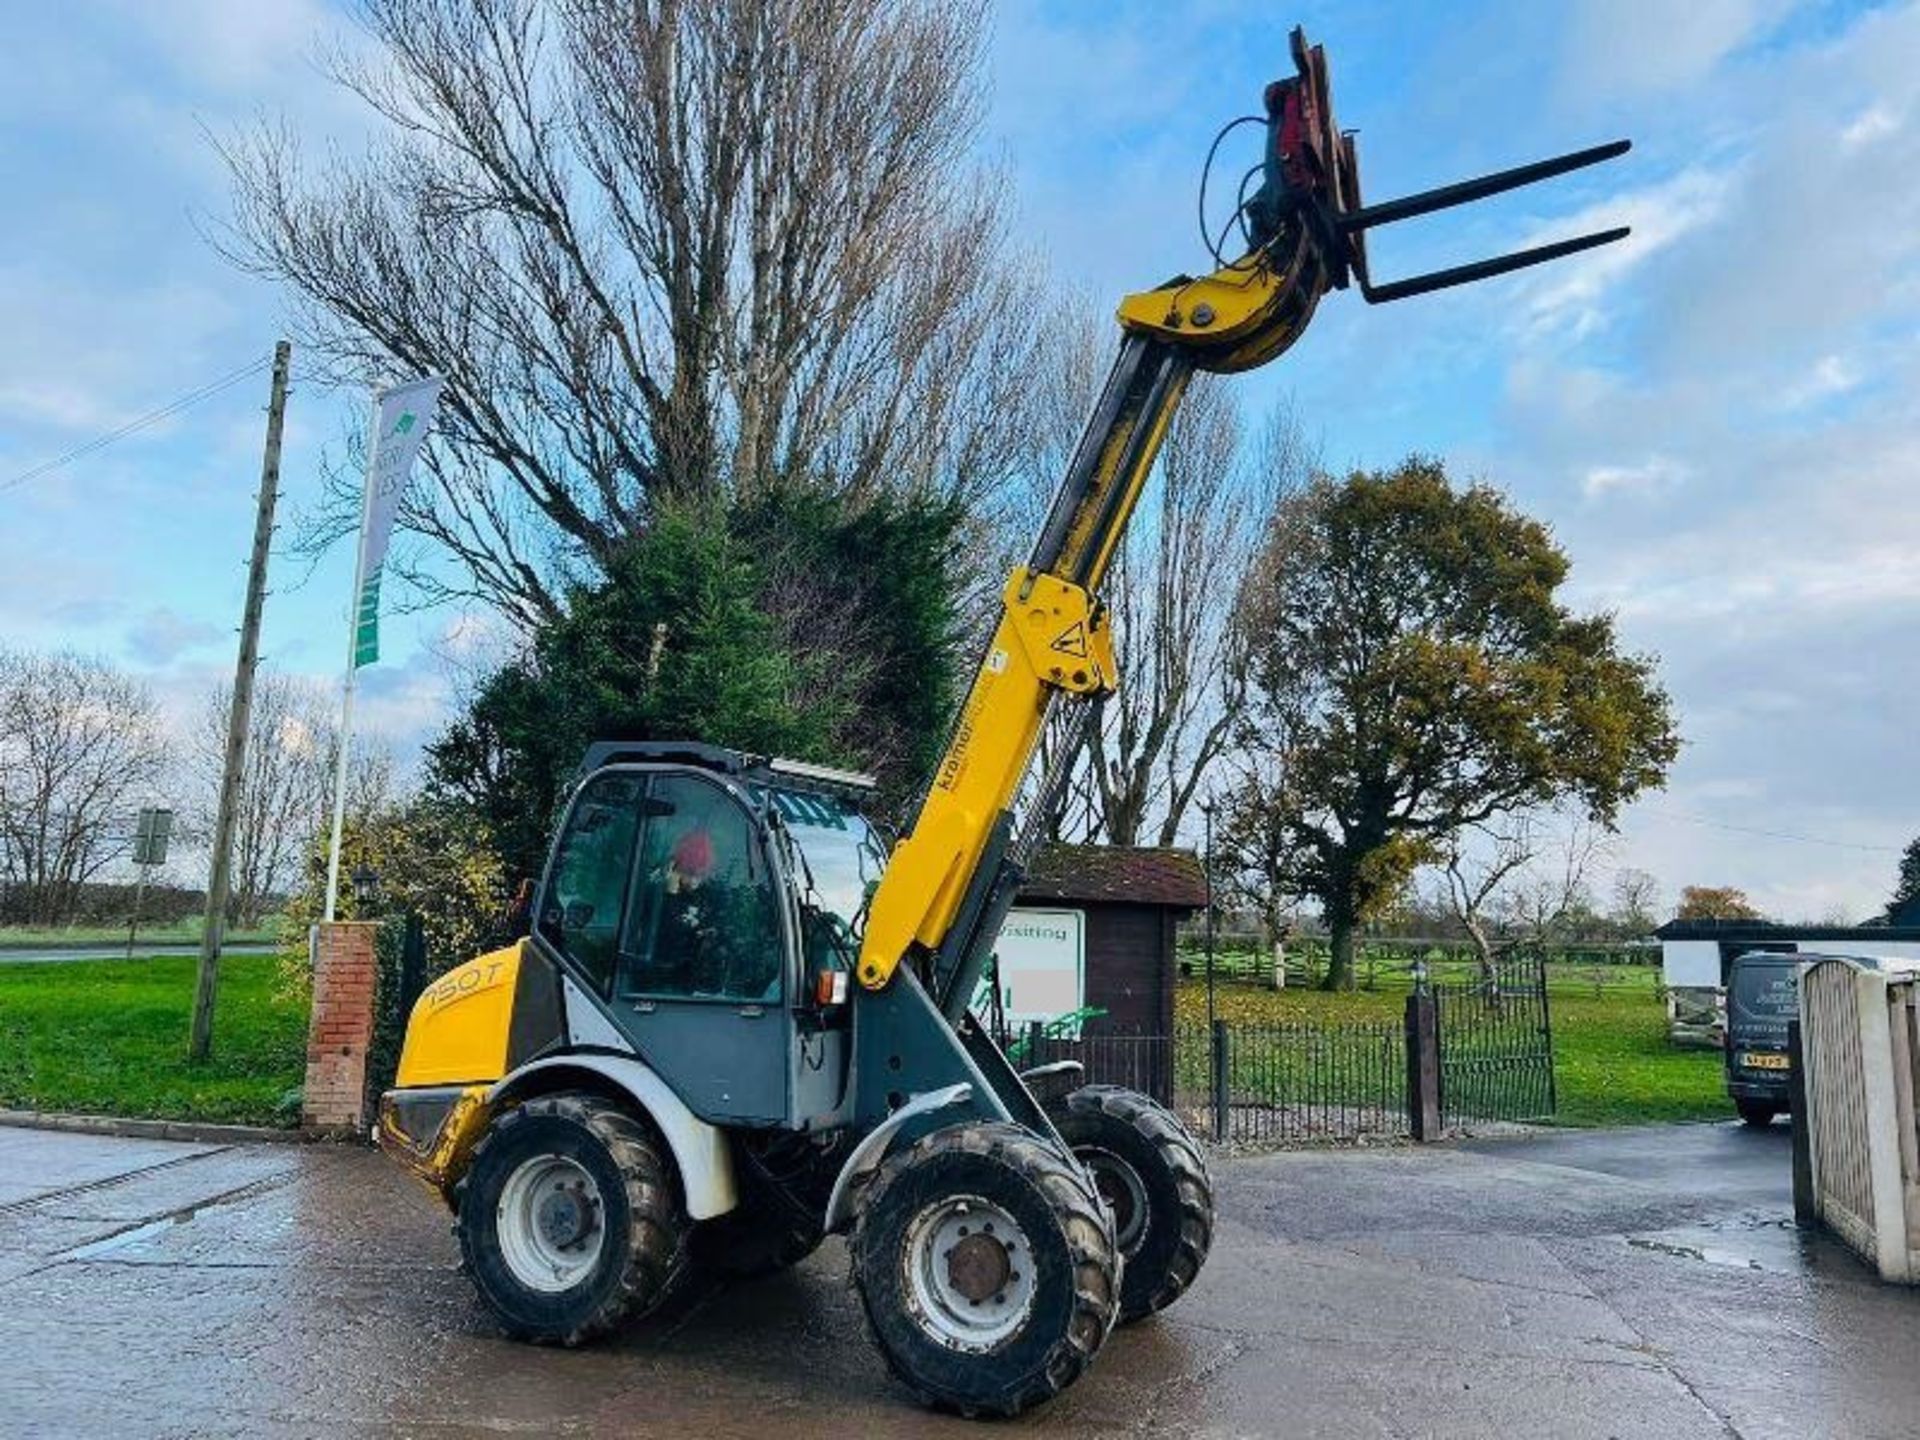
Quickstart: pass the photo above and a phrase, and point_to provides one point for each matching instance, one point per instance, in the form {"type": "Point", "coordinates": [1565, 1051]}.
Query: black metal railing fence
{"type": "Point", "coordinates": [1466, 1053]}
{"type": "Point", "coordinates": [1283, 1083]}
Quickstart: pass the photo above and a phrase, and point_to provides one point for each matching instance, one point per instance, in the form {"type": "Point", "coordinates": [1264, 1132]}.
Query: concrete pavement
{"type": "Point", "coordinates": [1637, 1283]}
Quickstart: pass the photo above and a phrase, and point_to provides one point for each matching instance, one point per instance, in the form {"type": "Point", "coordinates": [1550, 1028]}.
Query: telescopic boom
{"type": "Point", "coordinates": [951, 880]}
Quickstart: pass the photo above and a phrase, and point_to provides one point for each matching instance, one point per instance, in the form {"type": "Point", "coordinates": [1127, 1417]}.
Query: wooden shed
{"type": "Point", "coordinates": [1128, 901]}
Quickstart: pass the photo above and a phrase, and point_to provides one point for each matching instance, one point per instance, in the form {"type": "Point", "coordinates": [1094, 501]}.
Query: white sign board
{"type": "Point", "coordinates": [1043, 964]}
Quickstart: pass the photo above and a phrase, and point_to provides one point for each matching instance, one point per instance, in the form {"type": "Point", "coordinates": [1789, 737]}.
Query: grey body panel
{"type": "Point", "coordinates": [903, 1047]}
{"type": "Point", "coordinates": [588, 1027]}
{"type": "Point", "coordinates": [729, 1062]}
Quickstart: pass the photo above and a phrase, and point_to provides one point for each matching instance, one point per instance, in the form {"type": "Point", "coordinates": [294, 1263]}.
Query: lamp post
{"type": "Point", "coordinates": [1206, 811]}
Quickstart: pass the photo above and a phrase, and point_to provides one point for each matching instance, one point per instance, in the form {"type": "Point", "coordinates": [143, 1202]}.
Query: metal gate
{"type": "Point", "coordinates": [1281, 1083]}
{"type": "Point", "coordinates": [1495, 1037]}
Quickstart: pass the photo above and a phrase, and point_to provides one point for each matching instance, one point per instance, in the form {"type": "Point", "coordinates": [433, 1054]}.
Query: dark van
{"type": "Point", "coordinates": [1763, 994]}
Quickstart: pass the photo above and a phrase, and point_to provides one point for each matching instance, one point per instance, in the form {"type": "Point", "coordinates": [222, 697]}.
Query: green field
{"type": "Point", "coordinates": [1613, 1064]}
{"type": "Point", "coordinates": [109, 1037]}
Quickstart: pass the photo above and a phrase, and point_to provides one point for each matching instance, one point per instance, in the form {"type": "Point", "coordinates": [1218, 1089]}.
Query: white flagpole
{"type": "Point", "coordinates": [340, 791]}
{"type": "Point", "coordinates": [353, 671]}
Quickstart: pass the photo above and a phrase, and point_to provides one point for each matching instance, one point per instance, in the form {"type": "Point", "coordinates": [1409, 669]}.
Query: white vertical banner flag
{"type": "Point", "coordinates": [401, 418]}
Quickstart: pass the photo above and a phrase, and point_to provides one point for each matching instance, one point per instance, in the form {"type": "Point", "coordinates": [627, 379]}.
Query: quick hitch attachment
{"type": "Point", "coordinates": [1306, 232]}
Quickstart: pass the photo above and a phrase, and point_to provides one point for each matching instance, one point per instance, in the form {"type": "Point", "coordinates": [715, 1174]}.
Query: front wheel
{"type": "Point", "coordinates": [987, 1268]}
{"type": "Point", "coordinates": [568, 1221]}
{"type": "Point", "coordinates": [1151, 1175]}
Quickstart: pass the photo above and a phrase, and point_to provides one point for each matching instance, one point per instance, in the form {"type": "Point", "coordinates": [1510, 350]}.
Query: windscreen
{"type": "Point", "coordinates": [842, 857]}
{"type": "Point", "coordinates": [1762, 996]}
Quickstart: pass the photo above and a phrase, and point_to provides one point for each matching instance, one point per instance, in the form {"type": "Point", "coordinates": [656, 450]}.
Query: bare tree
{"type": "Point", "coordinates": [1252, 846]}
{"type": "Point", "coordinates": [1550, 899]}
{"type": "Point", "coordinates": [1518, 879]}
{"type": "Point", "coordinates": [1479, 861]}
{"type": "Point", "coordinates": [1178, 599]}
{"type": "Point", "coordinates": [660, 249]}
{"type": "Point", "coordinates": [285, 788]}
{"type": "Point", "coordinates": [1636, 902]}
{"type": "Point", "coordinates": [81, 746]}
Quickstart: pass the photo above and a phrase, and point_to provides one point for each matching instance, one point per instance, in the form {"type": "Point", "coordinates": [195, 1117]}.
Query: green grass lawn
{"type": "Point", "coordinates": [1613, 1064]}
{"type": "Point", "coordinates": [109, 1037]}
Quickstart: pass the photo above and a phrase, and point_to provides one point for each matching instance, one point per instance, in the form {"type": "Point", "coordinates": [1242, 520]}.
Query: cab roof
{"type": "Point", "coordinates": [794, 774]}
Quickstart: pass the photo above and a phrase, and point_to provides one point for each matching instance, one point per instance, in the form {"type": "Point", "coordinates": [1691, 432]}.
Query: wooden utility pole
{"type": "Point", "coordinates": [214, 929]}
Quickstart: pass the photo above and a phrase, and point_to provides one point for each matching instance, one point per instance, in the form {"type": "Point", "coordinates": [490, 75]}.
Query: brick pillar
{"type": "Point", "coordinates": [341, 1027]}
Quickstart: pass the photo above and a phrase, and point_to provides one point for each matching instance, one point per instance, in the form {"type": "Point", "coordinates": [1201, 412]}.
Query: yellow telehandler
{"type": "Point", "coordinates": [739, 1024]}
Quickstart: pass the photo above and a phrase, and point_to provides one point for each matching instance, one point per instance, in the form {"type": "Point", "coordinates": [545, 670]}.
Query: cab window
{"type": "Point", "coordinates": [582, 908]}
{"type": "Point", "coordinates": [703, 923]}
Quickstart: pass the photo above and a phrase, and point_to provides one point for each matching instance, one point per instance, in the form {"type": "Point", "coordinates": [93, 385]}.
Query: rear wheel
{"type": "Point", "coordinates": [1757, 1113]}
{"type": "Point", "coordinates": [987, 1269]}
{"type": "Point", "coordinates": [1152, 1177]}
{"type": "Point", "coordinates": [568, 1221]}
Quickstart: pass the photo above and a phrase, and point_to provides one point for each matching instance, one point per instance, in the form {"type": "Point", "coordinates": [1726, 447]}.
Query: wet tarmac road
{"type": "Point", "coordinates": [1638, 1283]}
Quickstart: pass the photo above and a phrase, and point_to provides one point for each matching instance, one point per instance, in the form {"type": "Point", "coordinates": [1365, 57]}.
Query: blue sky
{"type": "Point", "coordinates": [1718, 418]}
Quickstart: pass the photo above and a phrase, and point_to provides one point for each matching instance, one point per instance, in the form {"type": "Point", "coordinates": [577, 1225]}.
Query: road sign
{"type": "Point", "coordinates": [150, 837]}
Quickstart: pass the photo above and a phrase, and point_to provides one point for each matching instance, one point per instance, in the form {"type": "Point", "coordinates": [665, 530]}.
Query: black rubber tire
{"type": "Point", "coordinates": [1076, 1267]}
{"type": "Point", "coordinates": [760, 1236]}
{"type": "Point", "coordinates": [1757, 1113]}
{"type": "Point", "coordinates": [1108, 1126]}
{"type": "Point", "coordinates": [645, 1251]}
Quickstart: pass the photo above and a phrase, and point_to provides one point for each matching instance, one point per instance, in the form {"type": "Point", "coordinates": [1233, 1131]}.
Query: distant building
{"type": "Point", "coordinates": [1695, 954]}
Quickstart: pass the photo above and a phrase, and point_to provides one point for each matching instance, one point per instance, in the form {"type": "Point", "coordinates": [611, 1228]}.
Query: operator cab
{"type": "Point", "coordinates": [708, 904]}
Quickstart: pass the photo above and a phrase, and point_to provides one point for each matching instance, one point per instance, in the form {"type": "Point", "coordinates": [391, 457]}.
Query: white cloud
{"type": "Point", "coordinates": [1876, 122]}
{"type": "Point", "coordinates": [1748, 360]}
{"type": "Point", "coordinates": [1831, 375]}
{"type": "Point", "coordinates": [1572, 298]}
{"type": "Point", "coordinates": [297, 736]}
{"type": "Point", "coordinates": [1649, 46]}
{"type": "Point", "coordinates": [1658, 472]}
{"type": "Point", "coordinates": [161, 636]}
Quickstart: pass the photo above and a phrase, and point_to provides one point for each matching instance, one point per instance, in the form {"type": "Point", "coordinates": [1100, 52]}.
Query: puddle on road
{"type": "Point", "coordinates": [1747, 1242]}
{"type": "Point", "coordinates": [135, 1236]}
{"type": "Point", "coordinates": [123, 1240]}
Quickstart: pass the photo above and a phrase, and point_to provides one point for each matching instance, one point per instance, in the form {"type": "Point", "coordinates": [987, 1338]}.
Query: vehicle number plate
{"type": "Point", "coordinates": [1755, 1061]}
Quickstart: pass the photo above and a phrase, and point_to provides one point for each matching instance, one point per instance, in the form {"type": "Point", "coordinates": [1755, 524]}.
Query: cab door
{"type": "Point", "coordinates": [700, 981]}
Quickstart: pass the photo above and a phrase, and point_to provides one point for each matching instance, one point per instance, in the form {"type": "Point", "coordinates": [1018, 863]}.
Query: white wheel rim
{"type": "Point", "coordinates": [970, 1273]}
{"type": "Point", "coordinates": [551, 1223]}
{"type": "Point", "coordinates": [1123, 1193]}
